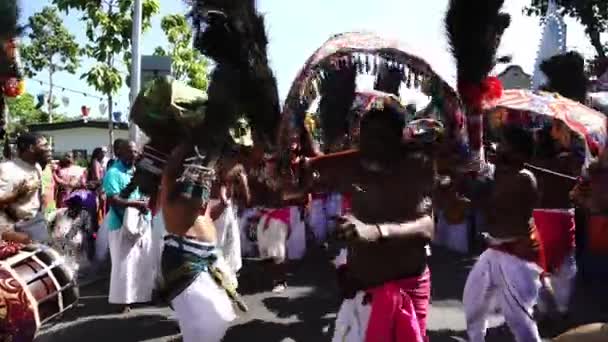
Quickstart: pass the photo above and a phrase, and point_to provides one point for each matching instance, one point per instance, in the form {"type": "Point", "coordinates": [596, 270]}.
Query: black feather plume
{"type": "Point", "coordinates": [9, 29]}
{"type": "Point", "coordinates": [9, 17]}
{"type": "Point", "coordinates": [389, 79]}
{"type": "Point", "coordinates": [232, 33]}
{"type": "Point", "coordinates": [566, 76]}
{"type": "Point", "coordinates": [337, 96]}
{"type": "Point", "coordinates": [474, 29]}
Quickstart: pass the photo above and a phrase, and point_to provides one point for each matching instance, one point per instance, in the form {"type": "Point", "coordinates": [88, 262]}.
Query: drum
{"type": "Point", "coordinates": [35, 286]}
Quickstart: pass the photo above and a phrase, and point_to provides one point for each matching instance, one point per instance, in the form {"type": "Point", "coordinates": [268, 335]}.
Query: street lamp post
{"type": "Point", "coordinates": [135, 64]}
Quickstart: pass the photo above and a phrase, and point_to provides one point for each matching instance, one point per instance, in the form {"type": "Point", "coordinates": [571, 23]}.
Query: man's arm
{"type": "Point", "coordinates": [421, 229]}
{"type": "Point", "coordinates": [217, 209]}
{"type": "Point", "coordinates": [120, 202]}
{"type": "Point", "coordinates": [119, 197]}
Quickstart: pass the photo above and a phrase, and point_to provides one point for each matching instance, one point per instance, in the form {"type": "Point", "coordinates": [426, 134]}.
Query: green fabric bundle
{"type": "Point", "coordinates": [169, 110]}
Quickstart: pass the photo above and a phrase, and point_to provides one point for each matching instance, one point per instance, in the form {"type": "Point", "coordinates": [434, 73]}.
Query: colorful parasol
{"type": "Point", "coordinates": [582, 120]}
{"type": "Point", "coordinates": [364, 53]}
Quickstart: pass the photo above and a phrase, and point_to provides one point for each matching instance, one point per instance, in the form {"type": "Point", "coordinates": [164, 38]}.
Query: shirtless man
{"type": "Point", "coordinates": [196, 289]}
{"type": "Point", "coordinates": [386, 234]}
{"type": "Point", "coordinates": [509, 270]}
{"type": "Point", "coordinates": [554, 216]}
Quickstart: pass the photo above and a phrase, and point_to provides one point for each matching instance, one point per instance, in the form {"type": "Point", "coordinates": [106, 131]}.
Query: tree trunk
{"type": "Point", "coordinates": [594, 36]}
{"type": "Point", "coordinates": [592, 27]}
{"type": "Point", "coordinates": [110, 125]}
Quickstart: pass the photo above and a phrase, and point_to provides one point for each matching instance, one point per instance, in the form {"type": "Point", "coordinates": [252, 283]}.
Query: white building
{"type": "Point", "coordinates": [79, 136]}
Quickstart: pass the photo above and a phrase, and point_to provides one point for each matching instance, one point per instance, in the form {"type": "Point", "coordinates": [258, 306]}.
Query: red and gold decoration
{"type": "Point", "coordinates": [17, 319]}
{"type": "Point", "coordinates": [35, 287]}
{"type": "Point", "coordinates": [11, 83]}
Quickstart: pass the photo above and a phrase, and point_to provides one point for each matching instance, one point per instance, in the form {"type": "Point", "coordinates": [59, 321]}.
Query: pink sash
{"type": "Point", "coordinates": [399, 310]}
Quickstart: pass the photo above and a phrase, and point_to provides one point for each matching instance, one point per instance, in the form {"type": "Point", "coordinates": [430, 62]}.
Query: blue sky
{"type": "Point", "coordinates": [297, 28]}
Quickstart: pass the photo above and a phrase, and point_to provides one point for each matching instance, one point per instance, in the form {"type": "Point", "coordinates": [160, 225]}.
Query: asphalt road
{"type": "Point", "coordinates": [304, 313]}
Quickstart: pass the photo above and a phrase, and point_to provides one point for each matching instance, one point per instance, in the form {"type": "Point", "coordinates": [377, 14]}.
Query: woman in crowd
{"type": "Point", "coordinates": [68, 177]}
{"type": "Point", "coordinates": [95, 173]}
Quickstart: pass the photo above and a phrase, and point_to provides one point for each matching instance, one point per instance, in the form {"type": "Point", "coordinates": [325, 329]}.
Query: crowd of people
{"type": "Point", "coordinates": [165, 248]}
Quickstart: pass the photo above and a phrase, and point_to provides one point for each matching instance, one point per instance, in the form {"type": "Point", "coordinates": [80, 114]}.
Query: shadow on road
{"type": "Point", "coordinates": [114, 328]}
{"type": "Point", "coordinates": [280, 332]}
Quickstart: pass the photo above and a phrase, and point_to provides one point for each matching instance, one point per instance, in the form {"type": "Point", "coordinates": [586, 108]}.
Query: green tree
{"type": "Point", "coordinates": [51, 48]}
{"type": "Point", "coordinates": [23, 112]}
{"type": "Point", "coordinates": [592, 14]}
{"type": "Point", "coordinates": [188, 64]}
{"type": "Point", "coordinates": [108, 27]}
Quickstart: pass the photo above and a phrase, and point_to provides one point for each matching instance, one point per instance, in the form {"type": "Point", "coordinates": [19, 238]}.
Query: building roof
{"type": "Point", "coordinates": [513, 67]}
{"type": "Point", "coordinates": [80, 123]}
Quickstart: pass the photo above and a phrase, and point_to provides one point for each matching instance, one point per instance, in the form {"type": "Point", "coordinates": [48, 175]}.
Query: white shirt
{"type": "Point", "coordinates": [12, 174]}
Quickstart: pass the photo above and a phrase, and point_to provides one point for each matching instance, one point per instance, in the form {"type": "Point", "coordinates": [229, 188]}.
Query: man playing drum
{"type": "Point", "coordinates": [21, 218]}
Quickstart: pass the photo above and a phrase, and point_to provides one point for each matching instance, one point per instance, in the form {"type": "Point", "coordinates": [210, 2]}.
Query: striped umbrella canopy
{"type": "Point", "coordinates": [582, 120]}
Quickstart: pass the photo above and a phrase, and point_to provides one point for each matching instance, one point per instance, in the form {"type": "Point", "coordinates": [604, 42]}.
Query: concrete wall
{"type": "Point", "coordinates": [83, 138]}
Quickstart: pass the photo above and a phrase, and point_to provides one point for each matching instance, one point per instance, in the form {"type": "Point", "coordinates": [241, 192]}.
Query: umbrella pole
{"type": "Point", "coordinates": [540, 169]}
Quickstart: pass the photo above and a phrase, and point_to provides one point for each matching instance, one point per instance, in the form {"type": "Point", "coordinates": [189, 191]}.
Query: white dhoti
{"type": "Point", "coordinates": [453, 236]}
{"type": "Point", "coordinates": [203, 308]}
{"type": "Point", "coordinates": [248, 247]}
{"type": "Point", "coordinates": [352, 320]}
{"type": "Point", "coordinates": [562, 282]}
{"type": "Point", "coordinates": [102, 244]}
{"type": "Point", "coordinates": [296, 241]}
{"type": "Point", "coordinates": [133, 276]}
{"type": "Point", "coordinates": [229, 238]}
{"type": "Point", "coordinates": [510, 282]}
{"type": "Point", "coordinates": [273, 231]}
{"type": "Point", "coordinates": [317, 218]}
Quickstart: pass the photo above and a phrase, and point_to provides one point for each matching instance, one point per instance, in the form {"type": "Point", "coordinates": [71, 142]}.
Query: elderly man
{"type": "Point", "coordinates": [21, 216]}
{"type": "Point", "coordinates": [129, 281]}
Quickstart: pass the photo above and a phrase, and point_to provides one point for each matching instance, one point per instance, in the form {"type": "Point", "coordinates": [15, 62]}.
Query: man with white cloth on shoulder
{"type": "Point", "coordinates": [21, 214]}
{"type": "Point", "coordinates": [129, 233]}
{"type": "Point", "coordinates": [195, 283]}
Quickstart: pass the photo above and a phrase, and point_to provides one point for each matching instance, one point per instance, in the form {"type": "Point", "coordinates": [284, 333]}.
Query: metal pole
{"type": "Point", "coordinates": [135, 64]}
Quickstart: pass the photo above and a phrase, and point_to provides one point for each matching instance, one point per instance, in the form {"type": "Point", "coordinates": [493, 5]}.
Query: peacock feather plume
{"type": "Point", "coordinates": [474, 29]}
{"type": "Point", "coordinates": [232, 33]}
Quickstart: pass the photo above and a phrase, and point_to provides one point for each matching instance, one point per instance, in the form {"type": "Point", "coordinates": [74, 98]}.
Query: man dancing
{"type": "Point", "coordinates": [554, 217]}
{"type": "Point", "coordinates": [197, 289]}
{"type": "Point", "coordinates": [509, 270]}
{"type": "Point", "coordinates": [385, 281]}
